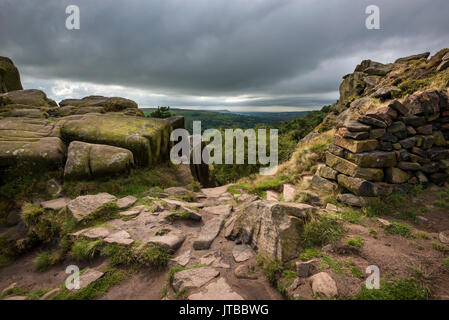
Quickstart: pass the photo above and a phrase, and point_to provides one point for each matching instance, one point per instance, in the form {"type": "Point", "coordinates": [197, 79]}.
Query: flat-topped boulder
{"type": "Point", "coordinates": [146, 138]}
{"type": "Point", "coordinates": [208, 233]}
{"type": "Point", "coordinates": [171, 241]}
{"type": "Point", "coordinates": [193, 278]}
{"type": "Point", "coordinates": [84, 206]}
{"type": "Point", "coordinates": [108, 104]}
{"type": "Point", "coordinates": [86, 160]}
{"type": "Point", "coordinates": [219, 290]}
{"type": "Point", "coordinates": [30, 144]}
{"type": "Point", "coordinates": [30, 97]}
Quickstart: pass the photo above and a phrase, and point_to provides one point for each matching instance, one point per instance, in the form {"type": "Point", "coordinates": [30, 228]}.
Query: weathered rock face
{"type": "Point", "coordinates": [108, 104]}
{"type": "Point", "coordinates": [146, 138]}
{"type": "Point", "coordinates": [30, 144]}
{"type": "Point", "coordinates": [9, 76]}
{"type": "Point", "coordinates": [85, 160]}
{"type": "Point", "coordinates": [274, 229]}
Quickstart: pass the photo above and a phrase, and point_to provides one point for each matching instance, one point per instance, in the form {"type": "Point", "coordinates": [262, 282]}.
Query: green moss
{"type": "Point", "coordinates": [153, 256]}
{"type": "Point", "coordinates": [446, 263]}
{"type": "Point", "coordinates": [136, 183]}
{"type": "Point", "coordinates": [401, 229]}
{"type": "Point", "coordinates": [373, 233]}
{"type": "Point", "coordinates": [355, 243]}
{"type": "Point", "coordinates": [401, 289]}
{"type": "Point", "coordinates": [439, 247]}
{"type": "Point", "coordinates": [322, 231]}
{"type": "Point", "coordinates": [309, 254]}
{"type": "Point", "coordinates": [97, 288]}
{"type": "Point", "coordinates": [85, 250]}
{"type": "Point", "coordinates": [356, 272]}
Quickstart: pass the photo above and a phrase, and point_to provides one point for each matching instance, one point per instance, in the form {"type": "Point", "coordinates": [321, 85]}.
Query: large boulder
{"type": "Point", "coordinates": [30, 144]}
{"type": "Point", "coordinates": [274, 228]}
{"type": "Point", "coordinates": [352, 86]}
{"type": "Point", "coordinates": [108, 104]}
{"type": "Point", "coordinates": [9, 76]}
{"type": "Point", "coordinates": [85, 160]}
{"type": "Point", "coordinates": [31, 98]}
{"type": "Point", "coordinates": [146, 138]}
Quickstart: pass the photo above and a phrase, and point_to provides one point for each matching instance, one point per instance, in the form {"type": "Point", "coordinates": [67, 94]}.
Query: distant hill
{"type": "Point", "coordinates": [228, 119]}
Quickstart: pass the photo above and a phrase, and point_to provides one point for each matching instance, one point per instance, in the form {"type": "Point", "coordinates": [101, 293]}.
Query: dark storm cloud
{"type": "Point", "coordinates": [272, 51]}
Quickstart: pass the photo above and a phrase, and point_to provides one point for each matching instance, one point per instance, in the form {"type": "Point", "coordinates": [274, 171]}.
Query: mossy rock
{"type": "Point", "coordinates": [9, 76]}
{"type": "Point", "coordinates": [112, 104]}
{"type": "Point", "coordinates": [30, 144]}
{"type": "Point", "coordinates": [147, 139]}
{"type": "Point", "coordinates": [85, 160]}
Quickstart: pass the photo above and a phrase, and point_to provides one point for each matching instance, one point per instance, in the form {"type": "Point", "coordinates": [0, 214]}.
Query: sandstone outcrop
{"type": "Point", "coordinates": [85, 160]}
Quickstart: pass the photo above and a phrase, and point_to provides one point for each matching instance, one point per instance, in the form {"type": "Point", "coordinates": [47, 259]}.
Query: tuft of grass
{"type": "Point", "coordinates": [401, 229]}
{"type": "Point", "coordinates": [355, 243]}
{"type": "Point", "coordinates": [309, 254]}
{"type": "Point", "coordinates": [353, 216]}
{"type": "Point", "coordinates": [174, 270]}
{"type": "Point", "coordinates": [446, 263]}
{"type": "Point", "coordinates": [439, 247]}
{"type": "Point", "coordinates": [356, 272]}
{"type": "Point", "coordinates": [322, 231]}
{"type": "Point", "coordinates": [30, 294]}
{"type": "Point", "coordinates": [401, 289]}
{"type": "Point", "coordinates": [43, 261]}
{"type": "Point", "coordinates": [423, 235]}
{"type": "Point", "coordinates": [373, 233]}
{"type": "Point", "coordinates": [377, 208]}
{"type": "Point", "coordinates": [85, 250]}
{"type": "Point", "coordinates": [136, 183]}
{"type": "Point", "coordinates": [272, 268]}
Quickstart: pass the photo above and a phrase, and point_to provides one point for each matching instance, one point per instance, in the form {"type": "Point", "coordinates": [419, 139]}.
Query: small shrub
{"type": "Point", "coordinates": [446, 263]}
{"type": "Point", "coordinates": [356, 272]}
{"type": "Point", "coordinates": [110, 278]}
{"type": "Point", "coordinates": [324, 230]}
{"type": "Point", "coordinates": [43, 261]}
{"type": "Point", "coordinates": [401, 229]}
{"type": "Point", "coordinates": [402, 289]}
{"type": "Point", "coordinates": [85, 250]}
{"type": "Point", "coordinates": [373, 233]}
{"type": "Point", "coordinates": [439, 247]}
{"type": "Point", "coordinates": [272, 268]}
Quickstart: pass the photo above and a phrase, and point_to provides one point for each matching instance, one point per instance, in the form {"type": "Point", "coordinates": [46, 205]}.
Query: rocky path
{"type": "Point", "coordinates": [209, 266]}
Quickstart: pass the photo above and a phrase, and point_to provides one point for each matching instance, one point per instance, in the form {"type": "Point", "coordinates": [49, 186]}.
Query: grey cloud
{"type": "Point", "coordinates": [182, 49]}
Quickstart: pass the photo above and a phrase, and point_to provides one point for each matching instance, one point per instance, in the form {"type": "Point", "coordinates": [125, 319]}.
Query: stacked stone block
{"type": "Point", "coordinates": [392, 148]}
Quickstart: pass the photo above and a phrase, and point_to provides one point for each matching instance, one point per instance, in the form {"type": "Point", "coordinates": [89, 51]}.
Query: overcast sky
{"type": "Point", "coordinates": [274, 54]}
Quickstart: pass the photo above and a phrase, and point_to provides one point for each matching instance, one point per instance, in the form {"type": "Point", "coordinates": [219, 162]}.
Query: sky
{"type": "Point", "coordinates": [267, 55]}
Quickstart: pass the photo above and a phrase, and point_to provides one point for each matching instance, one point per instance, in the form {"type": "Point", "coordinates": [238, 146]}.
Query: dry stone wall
{"type": "Point", "coordinates": [392, 148]}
